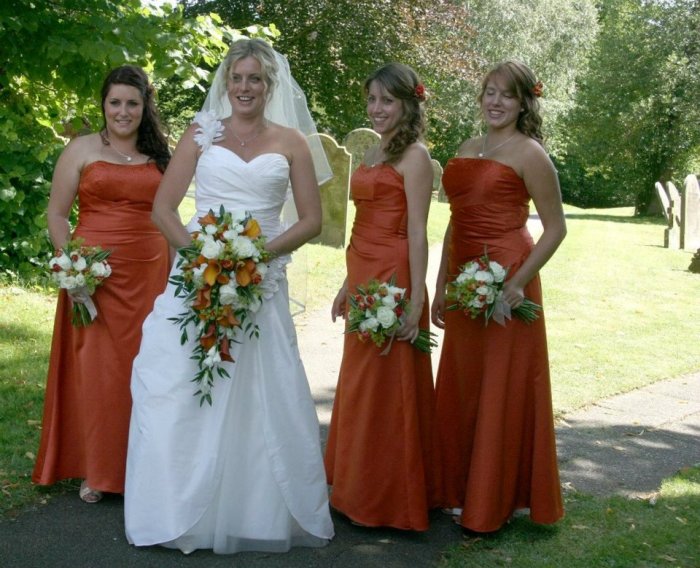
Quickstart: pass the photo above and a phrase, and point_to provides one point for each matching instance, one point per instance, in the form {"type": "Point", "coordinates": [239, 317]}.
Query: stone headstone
{"type": "Point", "coordinates": [663, 197]}
{"type": "Point", "coordinates": [357, 142]}
{"type": "Point", "coordinates": [674, 220]}
{"type": "Point", "coordinates": [690, 214]}
{"type": "Point", "coordinates": [437, 181]}
{"type": "Point", "coordinates": [334, 194]}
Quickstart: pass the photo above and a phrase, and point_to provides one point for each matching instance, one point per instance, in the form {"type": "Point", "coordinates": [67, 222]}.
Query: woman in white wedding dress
{"type": "Point", "coordinates": [245, 473]}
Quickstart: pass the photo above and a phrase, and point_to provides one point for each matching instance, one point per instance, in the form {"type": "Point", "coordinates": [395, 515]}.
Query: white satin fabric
{"type": "Point", "coordinates": [245, 473]}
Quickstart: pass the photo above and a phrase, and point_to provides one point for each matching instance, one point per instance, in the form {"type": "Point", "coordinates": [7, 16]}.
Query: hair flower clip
{"type": "Point", "coordinates": [537, 89]}
{"type": "Point", "coordinates": [419, 92]}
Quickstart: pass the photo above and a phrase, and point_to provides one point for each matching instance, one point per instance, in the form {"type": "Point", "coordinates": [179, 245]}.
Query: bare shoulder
{"type": "Point", "coordinates": [534, 156]}
{"type": "Point", "coordinates": [286, 134]}
{"type": "Point", "coordinates": [82, 150]}
{"type": "Point", "coordinates": [415, 161]}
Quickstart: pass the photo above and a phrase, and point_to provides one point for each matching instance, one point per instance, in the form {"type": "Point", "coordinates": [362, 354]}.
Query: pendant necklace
{"type": "Point", "coordinates": [245, 142]}
{"type": "Point", "coordinates": [106, 140]}
{"type": "Point", "coordinates": [483, 146]}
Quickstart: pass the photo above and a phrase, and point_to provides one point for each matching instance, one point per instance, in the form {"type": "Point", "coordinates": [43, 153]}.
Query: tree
{"type": "Point", "coordinates": [636, 117]}
{"type": "Point", "coordinates": [56, 54]}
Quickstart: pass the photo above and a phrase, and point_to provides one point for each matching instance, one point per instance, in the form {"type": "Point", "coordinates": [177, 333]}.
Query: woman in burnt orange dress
{"type": "Point", "coordinates": [494, 424]}
{"type": "Point", "coordinates": [115, 174]}
{"type": "Point", "coordinates": [378, 456]}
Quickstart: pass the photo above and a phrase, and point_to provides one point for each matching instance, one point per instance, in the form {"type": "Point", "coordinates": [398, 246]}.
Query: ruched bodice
{"type": "Point", "coordinates": [259, 186]}
{"type": "Point", "coordinates": [489, 206]}
{"type": "Point", "coordinates": [380, 203]}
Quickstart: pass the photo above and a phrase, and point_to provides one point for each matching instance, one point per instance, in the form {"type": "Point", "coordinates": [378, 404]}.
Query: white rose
{"type": "Point", "coordinates": [393, 290]}
{"type": "Point", "coordinates": [370, 323]}
{"type": "Point", "coordinates": [210, 229]}
{"type": "Point", "coordinates": [79, 280]}
{"type": "Point", "coordinates": [67, 282]}
{"type": "Point", "coordinates": [63, 261]}
{"type": "Point", "coordinates": [463, 277]}
{"type": "Point", "coordinates": [99, 269]}
{"type": "Point", "coordinates": [386, 317]}
{"type": "Point", "coordinates": [471, 269]}
{"type": "Point", "coordinates": [499, 273]}
{"type": "Point", "coordinates": [244, 247]}
{"type": "Point", "coordinates": [482, 290]}
{"type": "Point", "coordinates": [80, 264]}
{"type": "Point", "coordinates": [476, 302]}
{"type": "Point", "coordinates": [262, 269]}
{"type": "Point", "coordinates": [229, 235]}
{"type": "Point", "coordinates": [227, 293]}
{"type": "Point", "coordinates": [484, 276]}
{"type": "Point", "coordinates": [389, 301]}
{"type": "Point", "coordinates": [212, 249]}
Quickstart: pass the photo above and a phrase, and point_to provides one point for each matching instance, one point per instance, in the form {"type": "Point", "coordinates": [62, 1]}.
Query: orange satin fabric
{"type": "Point", "coordinates": [494, 423]}
{"type": "Point", "coordinates": [88, 402]}
{"type": "Point", "coordinates": [378, 456]}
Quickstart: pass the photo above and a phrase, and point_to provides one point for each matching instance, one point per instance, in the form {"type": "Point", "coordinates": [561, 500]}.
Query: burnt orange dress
{"type": "Point", "coordinates": [494, 423]}
{"type": "Point", "coordinates": [87, 403]}
{"type": "Point", "coordinates": [378, 456]}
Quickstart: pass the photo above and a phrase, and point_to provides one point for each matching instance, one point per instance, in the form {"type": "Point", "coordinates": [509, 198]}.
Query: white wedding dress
{"type": "Point", "coordinates": [245, 473]}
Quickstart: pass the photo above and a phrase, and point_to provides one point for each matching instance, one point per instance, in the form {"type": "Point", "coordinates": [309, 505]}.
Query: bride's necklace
{"type": "Point", "coordinates": [492, 150]}
{"type": "Point", "coordinates": [245, 141]}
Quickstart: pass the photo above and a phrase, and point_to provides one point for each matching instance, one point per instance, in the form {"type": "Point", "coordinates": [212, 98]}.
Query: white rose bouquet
{"type": "Point", "coordinates": [80, 269]}
{"type": "Point", "coordinates": [220, 280]}
{"type": "Point", "coordinates": [478, 289]}
{"type": "Point", "coordinates": [376, 312]}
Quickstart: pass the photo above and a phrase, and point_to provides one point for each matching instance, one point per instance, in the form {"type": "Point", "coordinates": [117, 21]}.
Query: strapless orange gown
{"type": "Point", "coordinates": [87, 403]}
{"type": "Point", "coordinates": [494, 423]}
{"type": "Point", "coordinates": [378, 457]}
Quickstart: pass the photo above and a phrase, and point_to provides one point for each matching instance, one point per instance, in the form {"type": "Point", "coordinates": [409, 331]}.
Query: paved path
{"type": "Point", "coordinates": [623, 445]}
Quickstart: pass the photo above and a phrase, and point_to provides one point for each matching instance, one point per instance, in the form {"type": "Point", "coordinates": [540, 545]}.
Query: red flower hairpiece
{"type": "Point", "coordinates": [537, 89]}
{"type": "Point", "coordinates": [419, 92]}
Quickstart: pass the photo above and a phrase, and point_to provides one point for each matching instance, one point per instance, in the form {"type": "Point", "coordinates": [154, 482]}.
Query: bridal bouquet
{"type": "Point", "coordinates": [220, 278]}
{"type": "Point", "coordinates": [79, 269]}
{"type": "Point", "coordinates": [478, 288]}
{"type": "Point", "coordinates": [377, 311]}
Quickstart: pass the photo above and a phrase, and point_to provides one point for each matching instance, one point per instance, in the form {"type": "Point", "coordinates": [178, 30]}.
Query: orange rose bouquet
{"type": "Point", "coordinates": [220, 278]}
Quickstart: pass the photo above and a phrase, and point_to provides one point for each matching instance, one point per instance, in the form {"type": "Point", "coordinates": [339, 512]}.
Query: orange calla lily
{"type": "Point", "coordinates": [208, 340]}
{"type": "Point", "coordinates": [223, 350]}
{"type": "Point", "coordinates": [211, 272]}
{"type": "Point", "coordinates": [228, 318]}
{"type": "Point", "coordinates": [208, 219]}
{"type": "Point", "coordinates": [244, 272]}
{"type": "Point", "coordinates": [252, 229]}
{"type": "Point", "coordinates": [223, 278]}
{"type": "Point", "coordinates": [203, 299]}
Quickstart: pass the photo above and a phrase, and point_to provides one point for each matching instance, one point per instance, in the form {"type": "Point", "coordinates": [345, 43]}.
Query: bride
{"type": "Point", "coordinates": [245, 473]}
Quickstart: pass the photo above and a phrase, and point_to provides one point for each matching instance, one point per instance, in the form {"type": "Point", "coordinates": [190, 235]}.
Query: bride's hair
{"type": "Point", "coordinates": [151, 139]}
{"type": "Point", "coordinates": [521, 81]}
{"type": "Point", "coordinates": [262, 51]}
{"type": "Point", "coordinates": [402, 82]}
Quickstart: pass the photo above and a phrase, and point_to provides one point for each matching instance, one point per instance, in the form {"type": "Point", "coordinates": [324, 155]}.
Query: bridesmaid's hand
{"type": "Point", "coordinates": [409, 328]}
{"type": "Point", "coordinates": [513, 294]}
{"type": "Point", "coordinates": [340, 303]}
{"type": "Point", "coordinates": [437, 309]}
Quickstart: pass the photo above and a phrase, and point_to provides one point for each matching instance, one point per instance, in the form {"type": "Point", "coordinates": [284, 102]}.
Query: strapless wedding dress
{"type": "Point", "coordinates": [245, 473]}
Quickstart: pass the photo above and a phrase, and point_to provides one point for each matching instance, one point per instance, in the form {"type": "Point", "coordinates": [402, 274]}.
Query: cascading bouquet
{"type": "Point", "coordinates": [220, 278]}
{"type": "Point", "coordinates": [80, 269]}
{"type": "Point", "coordinates": [377, 310]}
{"type": "Point", "coordinates": [478, 289]}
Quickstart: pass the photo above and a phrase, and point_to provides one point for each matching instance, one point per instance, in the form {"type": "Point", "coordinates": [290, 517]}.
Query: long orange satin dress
{"type": "Point", "coordinates": [494, 423]}
{"type": "Point", "coordinates": [378, 457]}
{"type": "Point", "coordinates": [87, 403]}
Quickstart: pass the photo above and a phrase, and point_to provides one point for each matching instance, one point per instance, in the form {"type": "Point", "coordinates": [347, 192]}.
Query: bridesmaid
{"type": "Point", "coordinates": [495, 433]}
{"type": "Point", "coordinates": [115, 174]}
{"type": "Point", "coordinates": [379, 452]}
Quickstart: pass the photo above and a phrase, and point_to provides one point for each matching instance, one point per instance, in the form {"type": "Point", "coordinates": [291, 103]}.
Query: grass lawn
{"type": "Point", "coordinates": [620, 314]}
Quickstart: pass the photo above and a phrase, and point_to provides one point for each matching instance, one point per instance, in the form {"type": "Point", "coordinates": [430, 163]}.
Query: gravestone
{"type": "Point", "coordinates": [437, 181]}
{"type": "Point", "coordinates": [334, 194]}
{"type": "Point", "coordinates": [690, 214]}
{"type": "Point", "coordinates": [357, 142]}
{"type": "Point", "coordinates": [671, 209]}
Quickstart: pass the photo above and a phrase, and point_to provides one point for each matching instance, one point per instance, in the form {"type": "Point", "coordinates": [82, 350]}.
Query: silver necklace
{"type": "Point", "coordinates": [247, 141]}
{"type": "Point", "coordinates": [483, 146]}
{"type": "Point", "coordinates": [122, 154]}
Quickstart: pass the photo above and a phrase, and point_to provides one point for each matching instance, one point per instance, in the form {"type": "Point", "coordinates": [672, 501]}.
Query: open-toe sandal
{"type": "Point", "coordinates": [89, 495]}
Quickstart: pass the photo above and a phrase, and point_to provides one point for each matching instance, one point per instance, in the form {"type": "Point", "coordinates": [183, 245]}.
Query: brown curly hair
{"type": "Point", "coordinates": [151, 139]}
{"type": "Point", "coordinates": [400, 81]}
{"type": "Point", "coordinates": [521, 81]}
